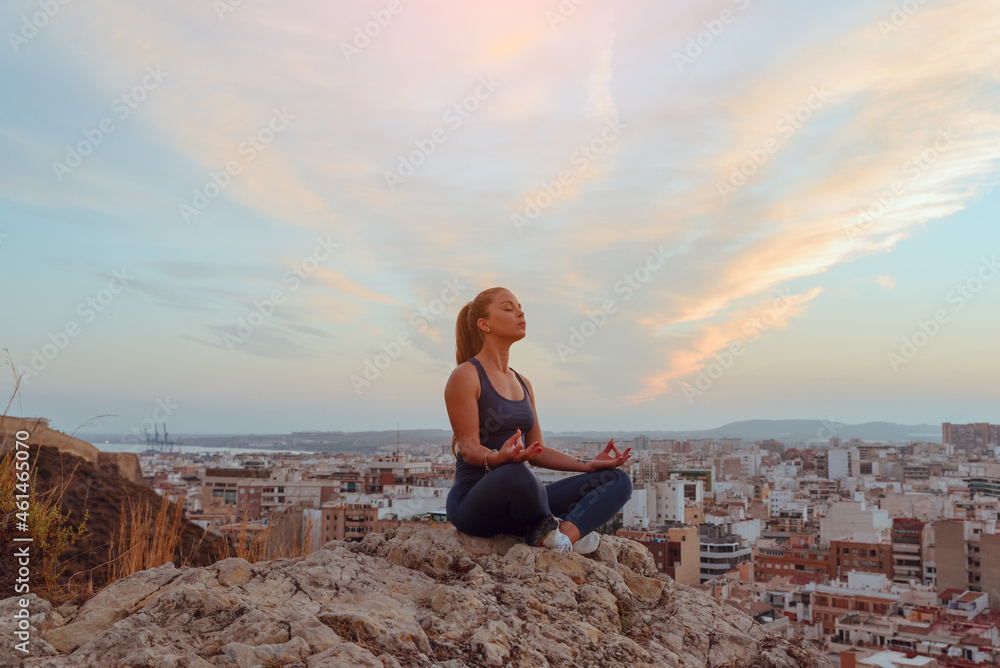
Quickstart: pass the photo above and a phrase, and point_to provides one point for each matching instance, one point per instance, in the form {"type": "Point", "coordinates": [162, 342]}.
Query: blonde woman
{"type": "Point", "coordinates": [492, 413]}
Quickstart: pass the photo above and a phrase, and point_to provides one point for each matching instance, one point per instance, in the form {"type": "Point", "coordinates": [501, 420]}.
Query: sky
{"type": "Point", "coordinates": [241, 216]}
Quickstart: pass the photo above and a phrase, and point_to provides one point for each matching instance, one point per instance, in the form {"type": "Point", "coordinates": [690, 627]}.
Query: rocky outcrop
{"type": "Point", "coordinates": [40, 433]}
{"type": "Point", "coordinates": [410, 597]}
{"type": "Point", "coordinates": [126, 464]}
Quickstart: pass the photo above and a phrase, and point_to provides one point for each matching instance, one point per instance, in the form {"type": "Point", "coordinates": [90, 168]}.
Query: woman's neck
{"type": "Point", "coordinates": [495, 356]}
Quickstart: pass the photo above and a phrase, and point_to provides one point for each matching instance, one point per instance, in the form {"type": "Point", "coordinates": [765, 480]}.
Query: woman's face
{"type": "Point", "coordinates": [506, 319]}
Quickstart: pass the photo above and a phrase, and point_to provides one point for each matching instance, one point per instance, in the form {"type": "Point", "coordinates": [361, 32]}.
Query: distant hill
{"type": "Point", "coordinates": [789, 432]}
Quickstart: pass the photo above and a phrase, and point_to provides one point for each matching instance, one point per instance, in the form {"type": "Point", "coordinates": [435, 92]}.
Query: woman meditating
{"type": "Point", "coordinates": [492, 413]}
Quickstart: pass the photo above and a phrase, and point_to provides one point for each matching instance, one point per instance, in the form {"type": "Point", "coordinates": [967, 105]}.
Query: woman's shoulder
{"type": "Point", "coordinates": [523, 378]}
{"type": "Point", "coordinates": [464, 375]}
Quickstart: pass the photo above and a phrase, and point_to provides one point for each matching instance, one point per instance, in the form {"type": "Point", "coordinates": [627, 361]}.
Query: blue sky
{"type": "Point", "coordinates": [343, 196]}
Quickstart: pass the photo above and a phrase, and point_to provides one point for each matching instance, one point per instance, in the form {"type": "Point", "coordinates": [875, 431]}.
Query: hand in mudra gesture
{"type": "Point", "coordinates": [609, 458]}
{"type": "Point", "coordinates": [513, 449]}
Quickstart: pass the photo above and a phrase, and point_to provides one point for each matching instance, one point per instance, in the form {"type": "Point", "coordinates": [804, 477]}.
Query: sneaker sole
{"type": "Point", "coordinates": [544, 527]}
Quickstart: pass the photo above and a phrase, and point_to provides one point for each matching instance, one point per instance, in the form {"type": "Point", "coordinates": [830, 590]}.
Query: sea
{"type": "Point", "coordinates": [139, 448]}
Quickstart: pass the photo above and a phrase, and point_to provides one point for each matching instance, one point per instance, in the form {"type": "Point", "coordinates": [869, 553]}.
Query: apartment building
{"type": "Point", "coordinates": [969, 437]}
{"type": "Point", "coordinates": [791, 521]}
{"type": "Point", "coordinates": [219, 491]}
{"type": "Point", "coordinates": [670, 499]}
{"type": "Point", "coordinates": [352, 521]}
{"type": "Point", "coordinates": [398, 470]}
{"type": "Point", "coordinates": [910, 547]}
{"type": "Point", "coordinates": [861, 593]}
{"type": "Point", "coordinates": [721, 550]}
{"type": "Point", "coordinates": [675, 551]}
{"type": "Point", "coordinates": [794, 557]}
{"type": "Point", "coordinates": [856, 520]}
{"type": "Point", "coordinates": [849, 555]}
{"type": "Point", "coordinates": [961, 549]}
{"type": "Point", "coordinates": [987, 486]}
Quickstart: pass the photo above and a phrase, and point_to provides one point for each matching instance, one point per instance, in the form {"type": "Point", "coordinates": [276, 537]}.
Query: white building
{"type": "Point", "coordinates": [781, 499]}
{"type": "Point", "coordinates": [852, 520]}
{"type": "Point", "coordinates": [747, 529]}
{"type": "Point", "coordinates": [842, 463]}
{"type": "Point", "coordinates": [750, 462]}
{"type": "Point", "coordinates": [635, 512]}
{"type": "Point", "coordinates": [668, 499]}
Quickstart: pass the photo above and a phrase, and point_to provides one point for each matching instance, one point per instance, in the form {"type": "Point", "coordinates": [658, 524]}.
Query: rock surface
{"type": "Point", "coordinates": [409, 597]}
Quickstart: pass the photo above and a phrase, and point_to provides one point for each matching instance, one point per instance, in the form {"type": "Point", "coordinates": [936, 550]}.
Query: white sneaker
{"type": "Point", "coordinates": [554, 539]}
{"type": "Point", "coordinates": [565, 544]}
{"type": "Point", "coordinates": [588, 543]}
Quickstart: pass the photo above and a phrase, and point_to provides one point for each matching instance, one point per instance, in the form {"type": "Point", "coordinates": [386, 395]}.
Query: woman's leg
{"type": "Point", "coordinates": [509, 499]}
{"type": "Point", "coordinates": [589, 500]}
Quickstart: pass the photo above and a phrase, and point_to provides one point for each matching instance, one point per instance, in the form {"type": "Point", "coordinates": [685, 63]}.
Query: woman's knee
{"type": "Point", "coordinates": [622, 484]}
{"type": "Point", "coordinates": [617, 477]}
{"type": "Point", "coordinates": [518, 479]}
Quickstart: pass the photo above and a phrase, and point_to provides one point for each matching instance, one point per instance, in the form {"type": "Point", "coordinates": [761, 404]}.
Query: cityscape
{"type": "Point", "coordinates": [866, 550]}
{"type": "Point", "coordinates": [250, 251]}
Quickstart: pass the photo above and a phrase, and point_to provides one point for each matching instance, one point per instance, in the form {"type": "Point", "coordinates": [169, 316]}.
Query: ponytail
{"type": "Point", "coordinates": [468, 336]}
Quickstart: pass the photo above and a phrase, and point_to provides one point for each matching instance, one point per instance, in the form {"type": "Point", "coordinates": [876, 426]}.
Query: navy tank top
{"type": "Point", "coordinates": [499, 418]}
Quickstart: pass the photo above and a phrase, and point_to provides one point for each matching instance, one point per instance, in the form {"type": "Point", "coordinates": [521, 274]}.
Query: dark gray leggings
{"type": "Point", "coordinates": [511, 499]}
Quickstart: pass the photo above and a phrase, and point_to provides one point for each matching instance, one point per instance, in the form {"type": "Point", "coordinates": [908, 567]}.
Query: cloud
{"type": "Point", "coordinates": [796, 218]}
{"type": "Point", "coordinates": [860, 165]}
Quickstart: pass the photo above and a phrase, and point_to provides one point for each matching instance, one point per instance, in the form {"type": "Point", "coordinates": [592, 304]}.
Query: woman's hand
{"type": "Point", "coordinates": [513, 450]}
{"type": "Point", "coordinates": [609, 458]}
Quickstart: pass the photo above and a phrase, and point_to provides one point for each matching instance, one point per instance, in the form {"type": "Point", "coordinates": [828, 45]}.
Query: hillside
{"type": "Point", "coordinates": [410, 597]}
{"type": "Point", "coordinates": [102, 493]}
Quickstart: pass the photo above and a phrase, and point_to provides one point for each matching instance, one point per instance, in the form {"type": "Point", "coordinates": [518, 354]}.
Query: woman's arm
{"type": "Point", "coordinates": [460, 395]}
{"type": "Point", "coordinates": [550, 458]}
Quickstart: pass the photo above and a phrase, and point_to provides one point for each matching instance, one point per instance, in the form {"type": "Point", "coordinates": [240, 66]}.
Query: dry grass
{"type": "Point", "coordinates": [144, 540]}
{"type": "Point", "coordinates": [253, 543]}
{"type": "Point", "coordinates": [48, 527]}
